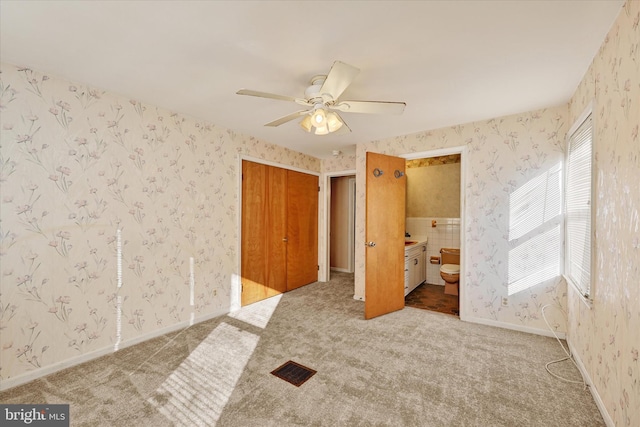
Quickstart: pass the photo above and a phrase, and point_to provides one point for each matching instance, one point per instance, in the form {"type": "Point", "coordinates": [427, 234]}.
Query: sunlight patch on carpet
{"type": "Point", "coordinates": [198, 390]}
{"type": "Point", "coordinates": [259, 313]}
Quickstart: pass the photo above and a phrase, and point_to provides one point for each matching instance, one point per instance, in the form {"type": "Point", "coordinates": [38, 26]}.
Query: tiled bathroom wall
{"type": "Point", "coordinates": [446, 234]}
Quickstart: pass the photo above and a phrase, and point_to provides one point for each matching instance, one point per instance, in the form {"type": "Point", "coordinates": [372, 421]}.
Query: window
{"type": "Point", "coordinates": [578, 206]}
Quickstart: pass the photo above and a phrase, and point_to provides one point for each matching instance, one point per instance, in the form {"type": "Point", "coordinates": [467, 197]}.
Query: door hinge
{"type": "Point", "coordinates": [318, 188]}
{"type": "Point", "coordinates": [318, 268]}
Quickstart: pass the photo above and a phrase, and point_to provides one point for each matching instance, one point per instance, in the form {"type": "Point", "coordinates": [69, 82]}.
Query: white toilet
{"type": "Point", "coordinates": [450, 269]}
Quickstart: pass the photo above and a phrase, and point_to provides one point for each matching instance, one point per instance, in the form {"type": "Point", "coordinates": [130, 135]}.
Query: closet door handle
{"type": "Point", "coordinates": [285, 239]}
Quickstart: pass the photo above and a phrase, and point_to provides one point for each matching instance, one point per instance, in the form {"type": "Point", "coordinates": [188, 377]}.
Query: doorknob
{"type": "Point", "coordinates": [371, 244]}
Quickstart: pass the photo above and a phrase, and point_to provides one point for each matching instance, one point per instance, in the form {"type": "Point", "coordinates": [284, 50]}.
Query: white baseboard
{"type": "Point", "coordinates": [527, 329]}
{"type": "Point", "coordinates": [77, 360]}
{"type": "Point", "coordinates": [587, 379]}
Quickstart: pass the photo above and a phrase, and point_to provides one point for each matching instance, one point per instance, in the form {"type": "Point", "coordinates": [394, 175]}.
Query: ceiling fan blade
{"type": "Point", "coordinates": [370, 107]}
{"type": "Point", "coordinates": [340, 76]}
{"type": "Point", "coordinates": [259, 94]}
{"type": "Point", "coordinates": [344, 128]}
{"type": "Point", "coordinates": [287, 118]}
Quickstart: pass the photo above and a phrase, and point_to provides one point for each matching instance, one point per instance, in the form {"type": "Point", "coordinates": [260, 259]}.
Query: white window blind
{"type": "Point", "coordinates": [578, 205]}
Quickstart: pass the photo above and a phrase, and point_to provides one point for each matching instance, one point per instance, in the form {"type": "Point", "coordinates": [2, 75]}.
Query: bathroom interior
{"type": "Point", "coordinates": [433, 214]}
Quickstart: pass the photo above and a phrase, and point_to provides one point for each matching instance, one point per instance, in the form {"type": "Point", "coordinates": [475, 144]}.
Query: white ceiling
{"type": "Point", "coordinates": [452, 62]}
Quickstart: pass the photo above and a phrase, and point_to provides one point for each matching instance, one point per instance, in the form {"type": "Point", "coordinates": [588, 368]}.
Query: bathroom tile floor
{"type": "Point", "coordinates": [432, 297]}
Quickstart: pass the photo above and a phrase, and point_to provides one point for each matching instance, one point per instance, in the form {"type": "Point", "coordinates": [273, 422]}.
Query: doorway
{"type": "Point", "coordinates": [437, 213]}
{"type": "Point", "coordinates": [342, 220]}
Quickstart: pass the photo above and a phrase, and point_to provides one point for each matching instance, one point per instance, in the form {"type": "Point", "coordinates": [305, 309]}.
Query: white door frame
{"type": "Point", "coordinates": [325, 273]}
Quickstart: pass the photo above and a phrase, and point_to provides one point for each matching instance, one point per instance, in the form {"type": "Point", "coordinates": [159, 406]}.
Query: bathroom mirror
{"type": "Point", "coordinates": [433, 187]}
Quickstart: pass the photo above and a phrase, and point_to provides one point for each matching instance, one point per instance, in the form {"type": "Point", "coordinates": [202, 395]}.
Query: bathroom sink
{"type": "Point", "coordinates": [409, 243]}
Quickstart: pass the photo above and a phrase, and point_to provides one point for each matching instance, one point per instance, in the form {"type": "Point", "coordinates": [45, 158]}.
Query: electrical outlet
{"type": "Point", "coordinates": [505, 301]}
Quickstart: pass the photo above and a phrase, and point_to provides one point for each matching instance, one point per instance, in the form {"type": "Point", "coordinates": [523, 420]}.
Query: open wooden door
{"type": "Point", "coordinates": [385, 227]}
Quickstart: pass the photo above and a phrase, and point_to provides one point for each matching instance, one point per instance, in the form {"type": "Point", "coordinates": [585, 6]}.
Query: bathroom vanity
{"type": "Point", "coordinates": [415, 263]}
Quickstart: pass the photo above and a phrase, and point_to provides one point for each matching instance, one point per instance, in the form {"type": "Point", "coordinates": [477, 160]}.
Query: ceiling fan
{"type": "Point", "coordinates": [322, 98]}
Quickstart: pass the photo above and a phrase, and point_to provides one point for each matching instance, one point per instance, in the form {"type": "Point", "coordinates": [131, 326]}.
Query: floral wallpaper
{"type": "Point", "coordinates": [605, 337]}
{"type": "Point", "coordinates": [339, 163]}
{"type": "Point", "coordinates": [502, 155]}
{"type": "Point", "coordinates": [118, 219]}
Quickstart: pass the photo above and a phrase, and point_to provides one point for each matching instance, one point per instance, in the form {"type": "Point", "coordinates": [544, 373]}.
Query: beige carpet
{"type": "Point", "coordinates": [409, 368]}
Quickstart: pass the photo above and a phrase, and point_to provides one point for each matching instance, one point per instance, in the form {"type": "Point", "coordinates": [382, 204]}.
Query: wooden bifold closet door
{"type": "Point", "coordinates": [279, 230]}
{"type": "Point", "coordinates": [302, 229]}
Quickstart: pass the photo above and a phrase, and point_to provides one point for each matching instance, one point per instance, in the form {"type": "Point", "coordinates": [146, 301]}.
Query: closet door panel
{"type": "Point", "coordinates": [302, 229]}
{"type": "Point", "coordinates": [276, 230]}
{"type": "Point", "coordinates": [263, 255]}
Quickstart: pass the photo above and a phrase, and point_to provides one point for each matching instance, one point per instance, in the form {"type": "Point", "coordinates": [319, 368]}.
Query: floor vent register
{"type": "Point", "coordinates": [294, 373]}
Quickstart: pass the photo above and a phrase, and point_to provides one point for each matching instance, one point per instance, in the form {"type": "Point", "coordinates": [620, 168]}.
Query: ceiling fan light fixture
{"type": "Point", "coordinates": [319, 116]}
{"type": "Point", "coordinates": [323, 99]}
{"type": "Point", "coordinates": [320, 121]}
{"type": "Point", "coordinates": [333, 122]}
{"type": "Point", "coordinates": [322, 130]}
{"type": "Point", "coordinates": [306, 123]}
